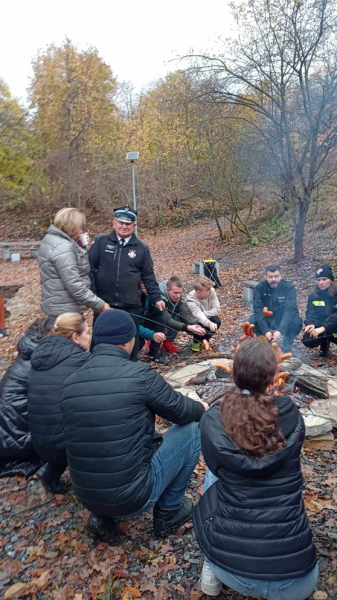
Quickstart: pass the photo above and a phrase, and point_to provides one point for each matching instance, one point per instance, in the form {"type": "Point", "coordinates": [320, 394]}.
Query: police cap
{"type": "Point", "coordinates": [126, 214]}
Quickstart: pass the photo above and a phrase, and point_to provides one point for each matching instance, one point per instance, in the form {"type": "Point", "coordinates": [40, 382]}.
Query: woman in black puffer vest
{"type": "Point", "coordinates": [54, 360]}
{"type": "Point", "coordinates": [17, 454]}
{"type": "Point", "coordinates": [251, 523]}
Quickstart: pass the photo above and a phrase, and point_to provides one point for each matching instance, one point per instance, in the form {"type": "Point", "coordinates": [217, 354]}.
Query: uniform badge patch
{"type": "Point", "coordinates": [132, 254]}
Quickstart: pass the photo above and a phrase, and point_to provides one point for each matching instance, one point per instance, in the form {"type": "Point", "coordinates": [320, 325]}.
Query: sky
{"type": "Point", "coordinates": [137, 38]}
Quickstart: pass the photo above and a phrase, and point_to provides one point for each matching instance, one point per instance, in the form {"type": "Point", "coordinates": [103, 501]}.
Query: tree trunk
{"type": "Point", "coordinates": [221, 233]}
{"type": "Point", "coordinates": [299, 230]}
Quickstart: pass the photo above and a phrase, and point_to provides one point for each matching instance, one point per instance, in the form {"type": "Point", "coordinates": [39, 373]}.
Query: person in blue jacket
{"type": "Point", "coordinates": [151, 329]}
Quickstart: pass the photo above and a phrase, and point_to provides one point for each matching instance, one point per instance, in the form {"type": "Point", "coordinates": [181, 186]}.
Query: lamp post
{"type": "Point", "coordinates": [132, 156]}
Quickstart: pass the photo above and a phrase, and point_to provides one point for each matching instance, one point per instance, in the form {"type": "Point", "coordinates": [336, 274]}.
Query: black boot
{"type": "Point", "coordinates": [166, 520]}
{"type": "Point", "coordinates": [50, 479]}
{"type": "Point", "coordinates": [324, 351]}
{"type": "Point", "coordinates": [104, 527]}
{"type": "Point", "coordinates": [157, 357]}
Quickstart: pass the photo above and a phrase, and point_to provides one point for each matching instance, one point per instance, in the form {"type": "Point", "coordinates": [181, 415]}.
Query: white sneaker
{"type": "Point", "coordinates": [210, 584]}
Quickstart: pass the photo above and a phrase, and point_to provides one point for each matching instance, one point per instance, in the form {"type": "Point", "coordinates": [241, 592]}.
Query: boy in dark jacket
{"type": "Point", "coordinates": [321, 315]}
{"type": "Point", "coordinates": [177, 314]}
{"type": "Point", "coordinates": [109, 407]}
{"type": "Point", "coordinates": [279, 296]}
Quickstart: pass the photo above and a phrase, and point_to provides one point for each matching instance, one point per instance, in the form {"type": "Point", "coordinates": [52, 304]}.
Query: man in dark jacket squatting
{"type": "Point", "coordinates": [117, 467]}
{"type": "Point", "coordinates": [279, 296]}
{"type": "Point", "coordinates": [178, 316]}
{"type": "Point", "coordinates": [119, 262]}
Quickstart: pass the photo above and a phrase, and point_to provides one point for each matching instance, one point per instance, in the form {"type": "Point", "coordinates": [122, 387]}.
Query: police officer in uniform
{"type": "Point", "coordinates": [119, 262]}
{"type": "Point", "coordinates": [321, 315]}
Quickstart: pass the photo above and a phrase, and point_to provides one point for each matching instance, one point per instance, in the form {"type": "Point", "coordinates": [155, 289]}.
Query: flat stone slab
{"type": "Point", "coordinates": [250, 283]}
{"type": "Point", "coordinates": [188, 391]}
{"type": "Point", "coordinates": [323, 442]}
{"type": "Point", "coordinates": [182, 376]}
{"type": "Point", "coordinates": [326, 409]}
{"type": "Point", "coordinates": [221, 361]}
{"type": "Point", "coordinates": [316, 426]}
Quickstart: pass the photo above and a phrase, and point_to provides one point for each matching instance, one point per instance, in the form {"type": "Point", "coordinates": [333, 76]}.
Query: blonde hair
{"type": "Point", "coordinates": [68, 324]}
{"type": "Point", "coordinates": [203, 283]}
{"type": "Point", "coordinates": [69, 220]}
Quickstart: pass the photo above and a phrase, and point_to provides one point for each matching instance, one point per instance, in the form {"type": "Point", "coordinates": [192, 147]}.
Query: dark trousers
{"type": "Point", "coordinates": [56, 459]}
{"type": "Point", "coordinates": [155, 320]}
{"type": "Point", "coordinates": [292, 331]}
{"type": "Point", "coordinates": [209, 333]}
{"type": "Point", "coordinates": [136, 313]}
{"type": "Point", "coordinates": [322, 340]}
{"type": "Point", "coordinates": [60, 465]}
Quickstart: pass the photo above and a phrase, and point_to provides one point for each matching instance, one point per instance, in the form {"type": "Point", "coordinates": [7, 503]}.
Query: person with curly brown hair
{"type": "Point", "coordinates": [251, 523]}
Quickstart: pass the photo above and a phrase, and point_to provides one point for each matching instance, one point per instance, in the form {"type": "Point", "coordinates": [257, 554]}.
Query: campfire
{"type": "Point", "coordinates": [313, 393]}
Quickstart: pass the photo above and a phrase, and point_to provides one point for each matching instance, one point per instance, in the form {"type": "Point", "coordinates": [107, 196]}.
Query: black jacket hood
{"type": "Point", "coordinates": [233, 459]}
{"type": "Point", "coordinates": [53, 350]}
{"type": "Point", "coordinates": [26, 345]}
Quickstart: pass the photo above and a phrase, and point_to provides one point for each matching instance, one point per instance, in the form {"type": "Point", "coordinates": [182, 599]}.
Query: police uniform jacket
{"type": "Point", "coordinates": [252, 521]}
{"type": "Point", "coordinates": [116, 272]}
{"type": "Point", "coordinates": [281, 300]}
{"type": "Point", "coordinates": [321, 311]}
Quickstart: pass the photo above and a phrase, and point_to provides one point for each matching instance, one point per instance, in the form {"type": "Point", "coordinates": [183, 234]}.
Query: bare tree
{"type": "Point", "coordinates": [282, 68]}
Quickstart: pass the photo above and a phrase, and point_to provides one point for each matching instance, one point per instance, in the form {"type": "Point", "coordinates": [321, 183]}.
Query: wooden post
{"type": "Point", "coordinates": [2, 317]}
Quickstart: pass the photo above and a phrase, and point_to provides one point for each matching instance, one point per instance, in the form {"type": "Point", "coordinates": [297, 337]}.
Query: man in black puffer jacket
{"type": "Point", "coordinates": [116, 466]}
{"type": "Point", "coordinates": [279, 296]}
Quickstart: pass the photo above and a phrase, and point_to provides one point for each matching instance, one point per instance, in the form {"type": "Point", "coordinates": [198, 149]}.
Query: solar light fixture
{"type": "Point", "coordinates": [132, 156]}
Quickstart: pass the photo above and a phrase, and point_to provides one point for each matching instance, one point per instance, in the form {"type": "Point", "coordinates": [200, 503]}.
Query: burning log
{"type": "Point", "coordinates": [317, 387]}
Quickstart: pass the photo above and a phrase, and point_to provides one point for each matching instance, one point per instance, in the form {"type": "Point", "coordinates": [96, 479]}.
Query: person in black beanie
{"type": "Point", "coordinates": [321, 315]}
{"type": "Point", "coordinates": [118, 466]}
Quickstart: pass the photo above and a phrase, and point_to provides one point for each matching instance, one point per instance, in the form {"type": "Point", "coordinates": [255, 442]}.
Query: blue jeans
{"type": "Point", "coordinates": [173, 464]}
{"type": "Point", "coordinates": [286, 589]}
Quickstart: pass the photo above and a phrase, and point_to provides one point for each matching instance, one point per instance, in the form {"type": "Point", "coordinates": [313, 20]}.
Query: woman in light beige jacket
{"type": "Point", "coordinates": [204, 305]}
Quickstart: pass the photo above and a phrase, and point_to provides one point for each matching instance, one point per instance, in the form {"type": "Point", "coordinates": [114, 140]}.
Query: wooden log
{"type": "Point", "coordinates": [317, 387]}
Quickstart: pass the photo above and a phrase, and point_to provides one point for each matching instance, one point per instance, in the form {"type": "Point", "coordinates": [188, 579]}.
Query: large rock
{"type": "Point", "coordinates": [182, 376]}
{"type": "Point", "coordinates": [316, 426]}
{"type": "Point", "coordinates": [188, 391]}
{"type": "Point", "coordinates": [326, 409]}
